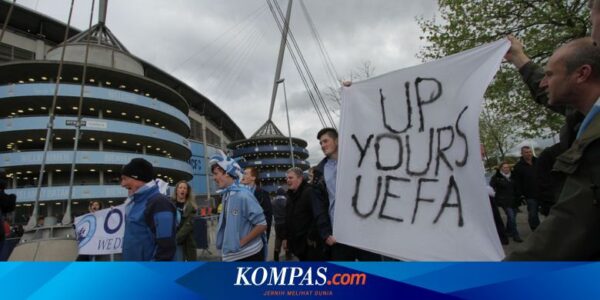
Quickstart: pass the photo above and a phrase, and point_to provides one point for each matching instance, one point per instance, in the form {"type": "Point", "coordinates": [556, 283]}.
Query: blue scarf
{"type": "Point", "coordinates": [234, 187]}
{"type": "Point", "coordinates": [589, 117]}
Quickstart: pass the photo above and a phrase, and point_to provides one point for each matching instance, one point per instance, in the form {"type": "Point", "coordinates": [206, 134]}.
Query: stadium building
{"type": "Point", "coordinates": [270, 152]}
{"type": "Point", "coordinates": [130, 109]}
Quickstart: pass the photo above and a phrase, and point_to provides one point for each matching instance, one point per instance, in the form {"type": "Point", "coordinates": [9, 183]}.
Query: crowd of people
{"type": "Point", "coordinates": [159, 228]}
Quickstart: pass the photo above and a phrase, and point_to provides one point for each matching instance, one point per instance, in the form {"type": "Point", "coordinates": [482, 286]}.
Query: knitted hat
{"type": "Point", "coordinates": [140, 169]}
{"type": "Point", "coordinates": [280, 191]}
{"type": "Point", "coordinates": [231, 167]}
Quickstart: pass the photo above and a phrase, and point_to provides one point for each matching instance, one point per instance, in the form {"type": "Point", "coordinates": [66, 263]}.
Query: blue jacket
{"type": "Point", "coordinates": [241, 213]}
{"type": "Point", "coordinates": [149, 226]}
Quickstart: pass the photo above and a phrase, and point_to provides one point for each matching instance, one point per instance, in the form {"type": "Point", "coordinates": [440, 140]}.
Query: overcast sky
{"type": "Point", "coordinates": [227, 49]}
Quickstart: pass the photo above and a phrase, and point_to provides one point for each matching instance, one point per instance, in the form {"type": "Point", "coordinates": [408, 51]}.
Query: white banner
{"type": "Point", "coordinates": [101, 232]}
{"type": "Point", "coordinates": [410, 179]}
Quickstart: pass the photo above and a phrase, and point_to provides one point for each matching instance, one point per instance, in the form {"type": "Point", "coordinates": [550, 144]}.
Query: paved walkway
{"type": "Point", "coordinates": [522, 227]}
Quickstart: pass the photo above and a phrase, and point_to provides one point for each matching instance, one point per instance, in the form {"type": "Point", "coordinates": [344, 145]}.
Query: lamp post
{"type": "Point", "coordinates": [287, 113]}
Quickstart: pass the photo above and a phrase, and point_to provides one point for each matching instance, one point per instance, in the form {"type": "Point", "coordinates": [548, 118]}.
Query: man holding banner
{"type": "Point", "coordinates": [324, 178]}
{"type": "Point", "coordinates": [533, 77]}
{"type": "Point", "coordinates": [572, 77]}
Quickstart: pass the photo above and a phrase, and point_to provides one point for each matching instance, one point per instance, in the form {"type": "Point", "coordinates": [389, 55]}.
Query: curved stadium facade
{"type": "Point", "coordinates": [130, 109]}
{"type": "Point", "coordinates": [270, 152]}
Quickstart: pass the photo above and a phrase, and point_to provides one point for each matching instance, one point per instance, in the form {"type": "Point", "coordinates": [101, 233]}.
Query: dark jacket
{"type": "Point", "coordinates": [549, 183]}
{"type": "Point", "coordinates": [322, 220]}
{"type": "Point", "coordinates": [300, 227]}
{"type": "Point", "coordinates": [265, 202]}
{"type": "Point", "coordinates": [570, 232]}
{"type": "Point", "coordinates": [525, 178]}
{"type": "Point", "coordinates": [279, 204]}
{"type": "Point", "coordinates": [505, 191]}
{"type": "Point", "coordinates": [185, 233]}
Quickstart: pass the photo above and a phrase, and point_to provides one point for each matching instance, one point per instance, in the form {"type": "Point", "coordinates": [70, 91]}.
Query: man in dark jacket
{"type": "Point", "coordinates": [571, 229]}
{"type": "Point", "coordinates": [325, 180]}
{"type": "Point", "coordinates": [252, 181]}
{"type": "Point", "coordinates": [300, 235]}
{"type": "Point", "coordinates": [525, 185]}
{"type": "Point", "coordinates": [149, 216]}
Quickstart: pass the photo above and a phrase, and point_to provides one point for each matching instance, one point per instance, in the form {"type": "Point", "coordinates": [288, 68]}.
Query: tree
{"type": "Point", "coordinates": [542, 25]}
{"type": "Point", "coordinates": [333, 94]}
{"type": "Point", "coordinates": [495, 134]}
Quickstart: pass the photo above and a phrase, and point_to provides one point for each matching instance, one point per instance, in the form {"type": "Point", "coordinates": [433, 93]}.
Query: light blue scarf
{"type": "Point", "coordinates": [589, 117]}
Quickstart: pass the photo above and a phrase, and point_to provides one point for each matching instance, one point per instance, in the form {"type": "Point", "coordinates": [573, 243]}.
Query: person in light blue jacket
{"type": "Point", "coordinates": [242, 222]}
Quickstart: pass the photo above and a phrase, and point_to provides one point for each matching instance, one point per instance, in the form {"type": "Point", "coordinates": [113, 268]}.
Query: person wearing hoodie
{"type": "Point", "coordinates": [149, 216]}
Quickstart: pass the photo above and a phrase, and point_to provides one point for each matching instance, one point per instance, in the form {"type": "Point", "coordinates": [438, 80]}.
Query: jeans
{"type": "Point", "coordinates": [498, 222]}
{"type": "Point", "coordinates": [511, 222]}
{"type": "Point", "coordinates": [532, 211]}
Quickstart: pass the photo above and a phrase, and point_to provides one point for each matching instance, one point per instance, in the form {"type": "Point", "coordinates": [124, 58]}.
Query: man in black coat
{"type": "Point", "coordinates": [251, 179]}
{"type": "Point", "coordinates": [526, 185]}
{"type": "Point", "coordinates": [324, 180]}
{"type": "Point", "coordinates": [300, 235]}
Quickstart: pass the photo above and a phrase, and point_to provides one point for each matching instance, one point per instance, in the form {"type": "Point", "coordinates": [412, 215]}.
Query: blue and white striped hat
{"type": "Point", "coordinates": [230, 165]}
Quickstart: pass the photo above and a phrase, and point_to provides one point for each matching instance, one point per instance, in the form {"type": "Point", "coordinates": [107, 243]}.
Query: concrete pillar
{"type": "Point", "coordinates": [40, 50]}
{"type": "Point", "coordinates": [49, 209]}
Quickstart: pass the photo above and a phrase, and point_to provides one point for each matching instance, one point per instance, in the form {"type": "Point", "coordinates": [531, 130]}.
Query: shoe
{"type": "Point", "coordinates": [517, 239]}
{"type": "Point", "coordinates": [504, 241]}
